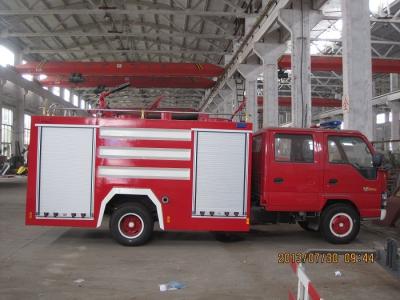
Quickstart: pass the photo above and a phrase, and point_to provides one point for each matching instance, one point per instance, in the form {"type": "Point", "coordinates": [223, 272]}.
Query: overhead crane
{"type": "Point", "coordinates": [135, 81]}
{"type": "Point", "coordinates": [142, 69]}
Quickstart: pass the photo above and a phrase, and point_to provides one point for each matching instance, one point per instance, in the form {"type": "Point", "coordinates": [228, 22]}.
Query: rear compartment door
{"type": "Point", "coordinates": [221, 170]}
{"type": "Point", "coordinates": [65, 173]}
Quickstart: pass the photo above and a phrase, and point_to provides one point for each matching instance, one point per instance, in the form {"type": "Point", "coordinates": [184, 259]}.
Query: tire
{"type": "Point", "coordinates": [340, 224]}
{"type": "Point", "coordinates": [131, 225]}
{"type": "Point", "coordinates": [306, 227]}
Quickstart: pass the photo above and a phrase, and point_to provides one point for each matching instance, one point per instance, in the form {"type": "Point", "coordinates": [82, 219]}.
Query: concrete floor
{"type": "Point", "coordinates": [44, 263]}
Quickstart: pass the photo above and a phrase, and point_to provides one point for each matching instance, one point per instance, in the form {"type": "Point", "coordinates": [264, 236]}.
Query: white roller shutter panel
{"type": "Point", "coordinates": [65, 173]}
{"type": "Point", "coordinates": [220, 183]}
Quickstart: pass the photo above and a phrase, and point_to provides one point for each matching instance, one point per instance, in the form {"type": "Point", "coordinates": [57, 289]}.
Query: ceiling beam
{"type": "Point", "coordinates": [122, 51]}
{"type": "Point", "coordinates": [6, 34]}
{"type": "Point", "coordinates": [131, 12]}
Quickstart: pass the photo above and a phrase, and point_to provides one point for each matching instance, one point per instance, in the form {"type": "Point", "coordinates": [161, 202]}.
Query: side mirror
{"type": "Point", "coordinates": [377, 159]}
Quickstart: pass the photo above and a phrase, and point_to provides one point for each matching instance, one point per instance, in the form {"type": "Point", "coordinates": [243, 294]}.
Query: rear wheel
{"type": "Point", "coordinates": [340, 223]}
{"type": "Point", "coordinates": [131, 225]}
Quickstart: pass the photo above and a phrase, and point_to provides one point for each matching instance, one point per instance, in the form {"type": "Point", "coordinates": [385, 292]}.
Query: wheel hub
{"type": "Point", "coordinates": [341, 224]}
{"type": "Point", "coordinates": [131, 225]}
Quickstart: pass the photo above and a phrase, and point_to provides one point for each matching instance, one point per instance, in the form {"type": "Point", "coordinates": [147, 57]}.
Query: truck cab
{"type": "Point", "coordinates": [325, 180]}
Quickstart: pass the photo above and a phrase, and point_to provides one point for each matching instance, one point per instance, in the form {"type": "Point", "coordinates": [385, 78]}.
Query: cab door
{"type": "Point", "coordinates": [349, 173]}
{"type": "Point", "coordinates": [294, 171]}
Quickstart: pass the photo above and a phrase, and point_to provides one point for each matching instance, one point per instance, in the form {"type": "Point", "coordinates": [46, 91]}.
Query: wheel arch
{"type": "Point", "coordinates": [330, 202]}
{"type": "Point", "coordinates": [127, 195]}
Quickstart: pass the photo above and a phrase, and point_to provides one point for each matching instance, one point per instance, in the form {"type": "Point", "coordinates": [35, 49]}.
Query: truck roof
{"type": "Point", "coordinates": [291, 129]}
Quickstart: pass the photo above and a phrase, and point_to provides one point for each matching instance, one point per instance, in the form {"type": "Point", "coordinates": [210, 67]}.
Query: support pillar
{"type": "Point", "coordinates": [375, 112]}
{"type": "Point", "coordinates": [227, 97]}
{"type": "Point", "coordinates": [269, 53]}
{"type": "Point", "coordinates": [1, 116]}
{"type": "Point", "coordinates": [220, 108]}
{"type": "Point", "coordinates": [18, 113]}
{"type": "Point", "coordinates": [357, 73]}
{"type": "Point", "coordinates": [212, 107]}
{"type": "Point", "coordinates": [395, 124]}
{"type": "Point", "coordinates": [248, 24]}
{"type": "Point", "coordinates": [299, 21]}
{"type": "Point", "coordinates": [250, 73]}
{"type": "Point", "coordinates": [251, 102]}
{"type": "Point", "coordinates": [394, 82]}
{"type": "Point", "coordinates": [231, 84]}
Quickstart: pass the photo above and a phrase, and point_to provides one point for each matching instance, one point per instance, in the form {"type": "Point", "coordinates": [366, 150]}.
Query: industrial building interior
{"type": "Point", "coordinates": [272, 63]}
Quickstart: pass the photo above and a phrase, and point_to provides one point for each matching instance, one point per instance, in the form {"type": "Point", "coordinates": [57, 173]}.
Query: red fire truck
{"type": "Point", "coordinates": [199, 175]}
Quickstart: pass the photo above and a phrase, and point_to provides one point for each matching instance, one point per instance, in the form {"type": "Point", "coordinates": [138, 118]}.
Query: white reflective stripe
{"type": "Point", "coordinates": [145, 173]}
{"type": "Point", "coordinates": [145, 153]}
{"type": "Point", "coordinates": [146, 133]}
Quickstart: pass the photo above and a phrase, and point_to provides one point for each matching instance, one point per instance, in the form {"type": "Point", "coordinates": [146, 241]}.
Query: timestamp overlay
{"type": "Point", "coordinates": [327, 257]}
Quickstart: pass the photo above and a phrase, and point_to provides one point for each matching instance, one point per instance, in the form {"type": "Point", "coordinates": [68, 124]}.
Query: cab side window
{"type": "Point", "coordinates": [294, 148]}
{"type": "Point", "coordinates": [353, 151]}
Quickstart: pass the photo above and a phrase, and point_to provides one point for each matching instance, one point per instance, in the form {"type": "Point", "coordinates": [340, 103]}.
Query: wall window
{"type": "Point", "coordinates": [380, 118]}
{"type": "Point", "coordinates": [75, 100]}
{"type": "Point", "coordinates": [6, 131]}
{"type": "Point", "coordinates": [27, 130]}
{"type": "Point", "coordinates": [56, 91]}
{"type": "Point", "coordinates": [82, 104]}
{"type": "Point", "coordinates": [6, 57]}
{"type": "Point", "coordinates": [294, 148]}
{"type": "Point", "coordinates": [67, 95]}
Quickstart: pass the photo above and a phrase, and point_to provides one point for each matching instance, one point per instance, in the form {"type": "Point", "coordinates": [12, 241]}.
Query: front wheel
{"type": "Point", "coordinates": [340, 224]}
{"type": "Point", "coordinates": [131, 225]}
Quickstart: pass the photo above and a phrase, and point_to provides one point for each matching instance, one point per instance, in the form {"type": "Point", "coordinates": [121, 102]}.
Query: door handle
{"type": "Point", "coordinates": [333, 181]}
{"type": "Point", "coordinates": [278, 180]}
